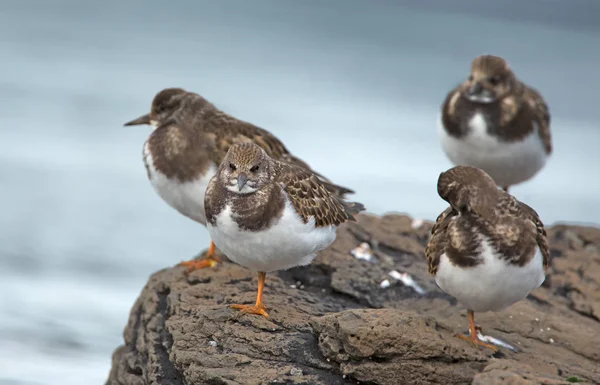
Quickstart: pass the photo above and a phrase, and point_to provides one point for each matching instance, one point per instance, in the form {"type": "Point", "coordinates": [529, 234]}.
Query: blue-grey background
{"type": "Point", "coordinates": [353, 87]}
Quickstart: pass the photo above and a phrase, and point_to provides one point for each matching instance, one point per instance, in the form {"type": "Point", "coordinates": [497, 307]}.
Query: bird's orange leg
{"type": "Point", "coordinates": [209, 261]}
{"type": "Point", "coordinates": [258, 308]}
{"type": "Point", "coordinates": [473, 337]}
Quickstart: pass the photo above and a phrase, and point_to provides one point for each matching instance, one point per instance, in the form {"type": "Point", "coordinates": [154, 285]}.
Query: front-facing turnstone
{"type": "Point", "coordinates": [190, 139]}
{"type": "Point", "coordinates": [487, 250]}
{"type": "Point", "coordinates": [497, 123]}
{"type": "Point", "coordinates": [269, 215]}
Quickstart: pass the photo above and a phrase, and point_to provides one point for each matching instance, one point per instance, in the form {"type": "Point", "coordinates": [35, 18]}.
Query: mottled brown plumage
{"type": "Point", "coordinates": [512, 109]}
{"type": "Point", "coordinates": [192, 133]}
{"type": "Point", "coordinates": [478, 207]}
{"type": "Point", "coordinates": [270, 184]}
{"type": "Point", "coordinates": [310, 197]}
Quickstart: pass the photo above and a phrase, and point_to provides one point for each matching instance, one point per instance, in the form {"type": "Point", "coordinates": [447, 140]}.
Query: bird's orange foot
{"type": "Point", "coordinates": [477, 342]}
{"type": "Point", "coordinates": [252, 309]}
{"type": "Point", "coordinates": [197, 264]}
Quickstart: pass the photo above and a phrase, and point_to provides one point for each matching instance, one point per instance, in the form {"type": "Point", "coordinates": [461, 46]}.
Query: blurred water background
{"type": "Point", "coordinates": [353, 87]}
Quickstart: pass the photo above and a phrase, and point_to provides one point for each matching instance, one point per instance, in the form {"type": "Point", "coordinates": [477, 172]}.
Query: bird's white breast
{"type": "Point", "coordinates": [492, 285]}
{"type": "Point", "coordinates": [289, 242]}
{"type": "Point", "coordinates": [507, 163]}
{"type": "Point", "coordinates": [187, 197]}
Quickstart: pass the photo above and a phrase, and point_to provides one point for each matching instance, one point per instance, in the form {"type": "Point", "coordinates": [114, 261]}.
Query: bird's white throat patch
{"type": "Point", "coordinates": [247, 189]}
{"type": "Point", "coordinates": [479, 128]}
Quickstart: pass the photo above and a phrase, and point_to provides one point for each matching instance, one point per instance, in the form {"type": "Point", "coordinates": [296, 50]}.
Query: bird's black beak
{"type": "Point", "coordinates": [475, 89]}
{"type": "Point", "coordinates": [144, 119]}
{"type": "Point", "coordinates": [242, 179]}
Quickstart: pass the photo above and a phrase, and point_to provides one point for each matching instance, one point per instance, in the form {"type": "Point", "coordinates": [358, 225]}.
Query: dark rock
{"type": "Point", "coordinates": [332, 323]}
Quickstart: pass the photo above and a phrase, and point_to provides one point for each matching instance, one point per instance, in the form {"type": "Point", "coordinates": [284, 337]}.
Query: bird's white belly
{"type": "Point", "coordinates": [288, 243]}
{"type": "Point", "coordinates": [187, 197]}
{"type": "Point", "coordinates": [492, 285]}
{"type": "Point", "coordinates": [507, 163]}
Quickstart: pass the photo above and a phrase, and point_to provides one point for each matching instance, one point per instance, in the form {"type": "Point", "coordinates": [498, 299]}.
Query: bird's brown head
{"type": "Point", "coordinates": [245, 169]}
{"type": "Point", "coordinates": [490, 80]}
{"type": "Point", "coordinates": [467, 188]}
{"type": "Point", "coordinates": [164, 105]}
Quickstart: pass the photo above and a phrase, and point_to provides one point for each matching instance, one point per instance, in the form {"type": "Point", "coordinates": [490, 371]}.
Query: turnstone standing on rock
{"type": "Point", "coordinates": [497, 123]}
{"type": "Point", "coordinates": [269, 215]}
{"type": "Point", "coordinates": [487, 250]}
{"type": "Point", "coordinates": [190, 139]}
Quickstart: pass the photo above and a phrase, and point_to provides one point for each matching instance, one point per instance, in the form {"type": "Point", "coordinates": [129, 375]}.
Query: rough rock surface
{"type": "Point", "coordinates": [332, 322]}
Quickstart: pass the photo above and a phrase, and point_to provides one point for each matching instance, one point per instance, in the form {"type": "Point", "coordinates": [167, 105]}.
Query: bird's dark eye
{"type": "Point", "coordinates": [495, 80]}
{"type": "Point", "coordinates": [254, 168]}
{"type": "Point", "coordinates": [232, 167]}
{"type": "Point", "coordinates": [471, 78]}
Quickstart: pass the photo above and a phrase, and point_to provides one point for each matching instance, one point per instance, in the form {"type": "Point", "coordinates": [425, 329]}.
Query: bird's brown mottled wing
{"type": "Point", "coordinates": [227, 131]}
{"type": "Point", "coordinates": [338, 190]}
{"type": "Point", "coordinates": [515, 223]}
{"type": "Point", "coordinates": [450, 112]}
{"type": "Point", "coordinates": [437, 242]}
{"type": "Point", "coordinates": [541, 115]}
{"type": "Point", "coordinates": [311, 198]}
{"type": "Point", "coordinates": [541, 237]}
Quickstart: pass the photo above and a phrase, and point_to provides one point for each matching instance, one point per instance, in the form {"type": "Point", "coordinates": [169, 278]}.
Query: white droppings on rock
{"type": "Point", "coordinates": [293, 286]}
{"type": "Point", "coordinates": [385, 284]}
{"type": "Point", "coordinates": [495, 341]}
{"type": "Point", "coordinates": [212, 343]}
{"type": "Point", "coordinates": [407, 280]}
{"type": "Point", "coordinates": [362, 251]}
{"type": "Point", "coordinates": [551, 340]}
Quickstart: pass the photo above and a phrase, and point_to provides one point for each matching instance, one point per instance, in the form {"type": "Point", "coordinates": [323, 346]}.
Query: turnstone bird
{"type": "Point", "coordinates": [269, 215]}
{"type": "Point", "coordinates": [497, 123]}
{"type": "Point", "coordinates": [190, 139]}
{"type": "Point", "coordinates": [488, 250]}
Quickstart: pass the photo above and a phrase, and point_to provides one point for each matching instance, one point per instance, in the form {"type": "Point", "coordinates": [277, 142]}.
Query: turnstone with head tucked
{"type": "Point", "coordinates": [497, 123]}
{"type": "Point", "coordinates": [190, 140]}
{"type": "Point", "coordinates": [488, 250]}
{"type": "Point", "coordinates": [270, 215]}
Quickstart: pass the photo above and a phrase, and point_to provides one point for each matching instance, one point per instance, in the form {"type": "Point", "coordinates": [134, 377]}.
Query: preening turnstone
{"type": "Point", "coordinates": [269, 215]}
{"type": "Point", "coordinates": [190, 139]}
{"type": "Point", "coordinates": [495, 122]}
{"type": "Point", "coordinates": [488, 250]}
